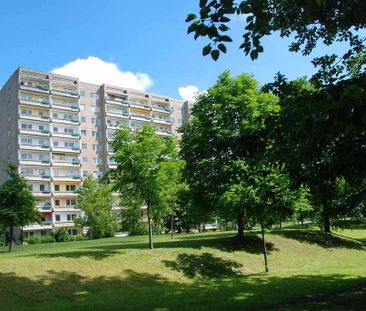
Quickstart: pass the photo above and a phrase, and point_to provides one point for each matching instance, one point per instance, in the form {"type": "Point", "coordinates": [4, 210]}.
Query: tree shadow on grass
{"type": "Point", "coordinates": [203, 266]}
{"type": "Point", "coordinates": [325, 240]}
{"type": "Point", "coordinates": [251, 244]}
{"type": "Point", "coordinates": [64, 290]}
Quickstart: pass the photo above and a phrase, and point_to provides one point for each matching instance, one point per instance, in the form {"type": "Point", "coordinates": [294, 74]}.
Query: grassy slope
{"type": "Point", "coordinates": [192, 272]}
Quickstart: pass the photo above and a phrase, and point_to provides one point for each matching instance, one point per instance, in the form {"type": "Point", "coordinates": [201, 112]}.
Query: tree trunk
{"type": "Point", "coordinates": [326, 220]}
{"type": "Point", "coordinates": [264, 250]}
{"type": "Point", "coordinates": [150, 229]}
{"type": "Point", "coordinates": [226, 228]}
{"type": "Point", "coordinates": [172, 226]}
{"type": "Point", "coordinates": [240, 234]}
{"type": "Point", "coordinates": [11, 237]}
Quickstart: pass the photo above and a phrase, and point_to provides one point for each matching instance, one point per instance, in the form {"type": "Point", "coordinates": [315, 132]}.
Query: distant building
{"type": "Point", "coordinates": [57, 130]}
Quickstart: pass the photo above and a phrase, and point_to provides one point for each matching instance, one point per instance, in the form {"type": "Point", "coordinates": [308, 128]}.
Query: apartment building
{"type": "Point", "coordinates": [57, 130]}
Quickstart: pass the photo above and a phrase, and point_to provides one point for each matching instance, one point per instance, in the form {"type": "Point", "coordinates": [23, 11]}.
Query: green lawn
{"type": "Point", "coordinates": [308, 271]}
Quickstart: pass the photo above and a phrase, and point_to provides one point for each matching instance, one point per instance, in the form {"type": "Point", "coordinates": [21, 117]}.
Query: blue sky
{"type": "Point", "coordinates": [138, 36]}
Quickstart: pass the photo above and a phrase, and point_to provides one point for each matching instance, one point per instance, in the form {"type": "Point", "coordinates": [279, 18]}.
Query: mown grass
{"type": "Point", "coordinates": [308, 271]}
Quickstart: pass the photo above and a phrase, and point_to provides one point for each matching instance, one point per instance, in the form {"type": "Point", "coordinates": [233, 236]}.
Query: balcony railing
{"type": "Point", "coordinates": [65, 104]}
{"type": "Point", "coordinates": [161, 108]}
{"type": "Point", "coordinates": [46, 222]}
{"type": "Point", "coordinates": [44, 102]}
{"type": "Point", "coordinates": [138, 104]}
{"type": "Point", "coordinates": [26, 84]}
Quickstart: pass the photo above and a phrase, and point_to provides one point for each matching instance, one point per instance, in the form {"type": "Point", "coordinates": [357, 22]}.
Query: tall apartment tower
{"type": "Point", "coordinates": [57, 130]}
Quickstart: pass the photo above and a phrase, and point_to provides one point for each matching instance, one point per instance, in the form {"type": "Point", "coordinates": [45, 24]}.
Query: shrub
{"type": "Point", "coordinates": [61, 235]}
{"type": "Point", "coordinates": [33, 240]}
{"type": "Point", "coordinates": [39, 240]}
{"type": "Point", "coordinates": [47, 239]}
{"type": "Point", "coordinates": [76, 238]}
{"type": "Point", "coordinates": [140, 229]}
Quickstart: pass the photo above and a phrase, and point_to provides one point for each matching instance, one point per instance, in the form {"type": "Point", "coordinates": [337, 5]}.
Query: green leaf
{"type": "Point", "coordinates": [206, 50]}
{"type": "Point", "coordinates": [192, 27]}
{"type": "Point", "coordinates": [225, 39]}
{"type": "Point", "coordinates": [222, 48]}
{"type": "Point", "coordinates": [203, 3]}
{"type": "Point", "coordinates": [254, 54]}
{"type": "Point", "coordinates": [190, 17]}
{"type": "Point", "coordinates": [215, 54]}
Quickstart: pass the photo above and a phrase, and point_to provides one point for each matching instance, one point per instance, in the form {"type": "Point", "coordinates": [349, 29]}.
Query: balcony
{"type": "Point", "coordinates": [34, 160]}
{"type": "Point", "coordinates": [141, 105]}
{"type": "Point", "coordinates": [66, 176]}
{"type": "Point", "coordinates": [34, 86]}
{"type": "Point", "coordinates": [116, 100]}
{"type": "Point", "coordinates": [65, 105]}
{"type": "Point", "coordinates": [29, 101]}
{"type": "Point", "coordinates": [60, 91]}
{"type": "Point", "coordinates": [33, 115]}
{"type": "Point", "coordinates": [74, 120]}
{"type": "Point", "coordinates": [66, 133]}
{"type": "Point", "coordinates": [164, 132]}
{"type": "Point", "coordinates": [36, 176]}
{"type": "Point", "coordinates": [66, 208]}
{"type": "Point", "coordinates": [117, 113]}
{"type": "Point", "coordinates": [65, 148]}
{"type": "Point", "coordinates": [44, 206]}
{"type": "Point", "coordinates": [34, 130]}
{"type": "Point", "coordinates": [34, 146]}
{"type": "Point", "coordinates": [46, 222]}
{"type": "Point", "coordinates": [140, 116]}
{"type": "Point", "coordinates": [161, 108]}
{"type": "Point", "coordinates": [163, 120]}
{"type": "Point", "coordinates": [66, 160]}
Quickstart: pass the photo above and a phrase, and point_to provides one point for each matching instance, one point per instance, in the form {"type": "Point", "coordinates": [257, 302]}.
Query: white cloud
{"type": "Point", "coordinates": [188, 92]}
{"type": "Point", "coordinates": [97, 71]}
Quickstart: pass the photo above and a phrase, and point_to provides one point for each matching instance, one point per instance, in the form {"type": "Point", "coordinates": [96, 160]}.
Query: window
{"type": "Point", "coordinates": [96, 134]}
{"type": "Point", "coordinates": [26, 156]}
{"type": "Point", "coordinates": [84, 146]}
{"type": "Point", "coordinates": [92, 95]}
{"type": "Point", "coordinates": [97, 109]}
{"type": "Point", "coordinates": [55, 115]}
{"type": "Point", "coordinates": [70, 187]}
{"type": "Point", "coordinates": [82, 93]}
{"type": "Point", "coordinates": [98, 161]}
{"type": "Point", "coordinates": [70, 202]}
{"type": "Point", "coordinates": [92, 108]}
{"type": "Point", "coordinates": [83, 132]}
{"type": "Point", "coordinates": [68, 217]}
{"type": "Point", "coordinates": [26, 141]}
{"type": "Point", "coordinates": [26, 126]}
{"type": "Point", "coordinates": [180, 121]}
{"type": "Point", "coordinates": [55, 129]}
{"type": "Point", "coordinates": [85, 173]}
{"type": "Point", "coordinates": [57, 187]}
{"type": "Point", "coordinates": [58, 217]}
{"type": "Point", "coordinates": [97, 147]}
{"type": "Point", "coordinates": [57, 202]}
{"type": "Point", "coordinates": [84, 160]}
{"type": "Point", "coordinates": [82, 107]}
{"type": "Point", "coordinates": [55, 143]}
{"type": "Point", "coordinates": [95, 121]}
{"type": "Point", "coordinates": [82, 119]}
{"type": "Point", "coordinates": [26, 112]}
{"type": "Point", "coordinates": [42, 187]}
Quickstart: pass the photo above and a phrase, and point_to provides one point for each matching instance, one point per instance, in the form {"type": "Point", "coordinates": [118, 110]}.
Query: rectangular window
{"type": "Point", "coordinates": [42, 187]}
{"type": "Point", "coordinates": [82, 107]}
{"type": "Point", "coordinates": [98, 161]}
{"type": "Point", "coordinates": [68, 217]}
{"type": "Point", "coordinates": [85, 173]}
{"type": "Point", "coordinates": [97, 147]}
{"type": "Point", "coordinates": [57, 202]}
{"type": "Point", "coordinates": [82, 93]}
{"type": "Point", "coordinates": [57, 187]}
{"type": "Point", "coordinates": [96, 134]}
{"type": "Point", "coordinates": [84, 160]}
{"type": "Point", "coordinates": [58, 217]}
{"type": "Point", "coordinates": [84, 146]}
{"type": "Point", "coordinates": [83, 133]}
{"type": "Point", "coordinates": [70, 187]}
{"type": "Point", "coordinates": [82, 119]}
